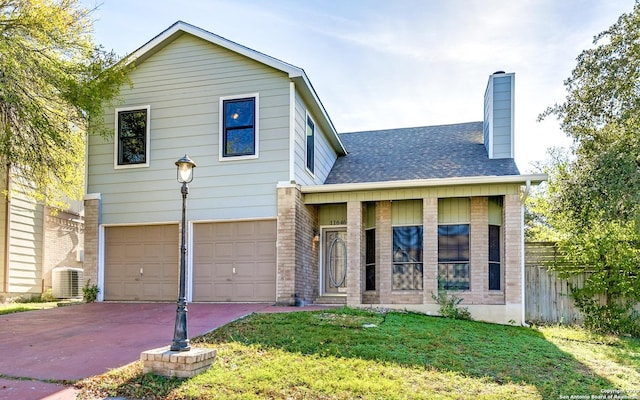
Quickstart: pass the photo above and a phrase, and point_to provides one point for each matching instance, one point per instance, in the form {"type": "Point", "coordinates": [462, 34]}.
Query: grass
{"type": "Point", "coordinates": [346, 354]}
{"type": "Point", "coordinates": [10, 308]}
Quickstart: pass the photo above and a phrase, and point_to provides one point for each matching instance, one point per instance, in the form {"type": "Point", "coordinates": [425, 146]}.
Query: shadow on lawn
{"type": "Point", "coordinates": [503, 354]}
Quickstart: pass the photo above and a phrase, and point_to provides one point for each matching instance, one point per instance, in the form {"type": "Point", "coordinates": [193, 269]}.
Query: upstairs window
{"type": "Point", "coordinates": [239, 127]}
{"type": "Point", "coordinates": [132, 137]}
{"type": "Point", "coordinates": [311, 127]}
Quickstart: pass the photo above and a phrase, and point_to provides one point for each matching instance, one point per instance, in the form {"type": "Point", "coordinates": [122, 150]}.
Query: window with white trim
{"type": "Point", "coordinates": [132, 137]}
{"type": "Point", "coordinates": [310, 143]}
{"type": "Point", "coordinates": [239, 127]}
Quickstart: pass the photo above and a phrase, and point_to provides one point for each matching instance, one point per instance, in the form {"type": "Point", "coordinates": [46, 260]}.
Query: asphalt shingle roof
{"type": "Point", "coordinates": [443, 151]}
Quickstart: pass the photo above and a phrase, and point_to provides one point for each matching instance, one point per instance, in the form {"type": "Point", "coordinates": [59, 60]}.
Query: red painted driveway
{"type": "Point", "coordinates": [75, 342]}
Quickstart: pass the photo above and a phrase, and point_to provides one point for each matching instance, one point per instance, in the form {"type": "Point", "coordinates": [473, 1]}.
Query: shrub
{"type": "Point", "coordinates": [90, 292]}
{"type": "Point", "coordinates": [617, 319]}
{"type": "Point", "coordinates": [449, 306]}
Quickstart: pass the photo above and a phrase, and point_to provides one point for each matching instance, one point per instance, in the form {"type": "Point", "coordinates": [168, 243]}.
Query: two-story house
{"type": "Point", "coordinates": [284, 209]}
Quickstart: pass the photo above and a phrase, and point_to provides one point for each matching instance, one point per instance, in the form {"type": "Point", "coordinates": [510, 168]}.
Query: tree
{"type": "Point", "coordinates": [53, 83]}
{"type": "Point", "coordinates": [593, 197]}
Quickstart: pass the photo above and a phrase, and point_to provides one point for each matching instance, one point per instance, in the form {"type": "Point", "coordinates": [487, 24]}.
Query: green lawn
{"type": "Point", "coordinates": [346, 354]}
{"type": "Point", "coordinates": [10, 308]}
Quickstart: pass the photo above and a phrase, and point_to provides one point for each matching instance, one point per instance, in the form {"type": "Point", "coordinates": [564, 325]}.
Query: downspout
{"type": "Point", "coordinates": [525, 194]}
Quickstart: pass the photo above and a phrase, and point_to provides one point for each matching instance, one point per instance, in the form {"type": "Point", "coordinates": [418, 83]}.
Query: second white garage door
{"type": "Point", "coordinates": [234, 261]}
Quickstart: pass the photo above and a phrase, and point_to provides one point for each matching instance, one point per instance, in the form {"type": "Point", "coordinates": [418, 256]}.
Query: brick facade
{"type": "Point", "coordinates": [298, 251]}
{"type": "Point", "coordinates": [479, 298]}
{"type": "Point", "coordinates": [513, 249]}
{"type": "Point", "coordinates": [63, 240]}
{"type": "Point", "coordinates": [430, 248]}
{"type": "Point", "coordinates": [91, 227]}
{"type": "Point", "coordinates": [355, 253]}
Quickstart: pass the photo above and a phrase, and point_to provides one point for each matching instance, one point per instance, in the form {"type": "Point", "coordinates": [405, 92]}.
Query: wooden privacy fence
{"type": "Point", "coordinates": [548, 297]}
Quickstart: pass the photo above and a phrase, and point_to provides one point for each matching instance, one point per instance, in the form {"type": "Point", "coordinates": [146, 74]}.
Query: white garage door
{"type": "Point", "coordinates": [141, 263]}
{"type": "Point", "coordinates": [234, 261]}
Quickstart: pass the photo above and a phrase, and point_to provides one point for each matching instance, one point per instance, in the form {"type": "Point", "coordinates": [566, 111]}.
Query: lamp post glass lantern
{"type": "Point", "coordinates": [180, 336]}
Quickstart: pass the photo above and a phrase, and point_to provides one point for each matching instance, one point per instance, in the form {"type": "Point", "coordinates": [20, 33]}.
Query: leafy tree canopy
{"type": "Point", "coordinates": [53, 83]}
{"type": "Point", "coordinates": [593, 194]}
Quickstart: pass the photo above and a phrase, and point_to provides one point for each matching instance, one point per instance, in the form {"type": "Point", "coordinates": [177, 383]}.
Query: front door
{"type": "Point", "coordinates": [335, 261]}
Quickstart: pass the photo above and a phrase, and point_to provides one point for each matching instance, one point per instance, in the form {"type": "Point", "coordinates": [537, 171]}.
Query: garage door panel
{"type": "Point", "coordinates": [202, 272]}
{"type": "Point", "coordinates": [202, 252]}
{"type": "Point", "coordinates": [223, 250]}
{"type": "Point", "coordinates": [244, 258]}
{"type": "Point", "coordinates": [222, 270]}
{"type": "Point", "coordinates": [152, 249]}
{"type": "Point", "coordinates": [245, 271]}
{"type": "Point", "coordinates": [266, 229]}
{"type": "Point", "coordinates": [264, 290]}
{"type": "Point", "coordinates": [222, 292]}
{"type": "Point", "coordinates": [245, 250]}
{"type": "Point", "coordinates": [265, 249]}
{"type": "Point", "coordinates": [245, 230]}
{"type": "Point", "coordinates": [265, 270]}
{"type": "Point", "coordinates": [160, 291]}
{"type": "Point", "coordinates": [222, 230]}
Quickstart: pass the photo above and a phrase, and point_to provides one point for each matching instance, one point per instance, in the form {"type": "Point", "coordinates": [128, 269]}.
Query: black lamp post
{"type": "Point", "coordinates": [180, 338]}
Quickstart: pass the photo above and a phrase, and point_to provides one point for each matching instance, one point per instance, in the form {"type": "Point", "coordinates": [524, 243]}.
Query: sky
{"type": "Point", "coordinates": [383, 64]}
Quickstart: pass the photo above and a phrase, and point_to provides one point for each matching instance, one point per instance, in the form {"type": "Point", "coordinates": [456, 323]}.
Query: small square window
{"type": "Point", "coordinates": [239, 133]}
{"type": "Point", "coordinates": [132, 137]}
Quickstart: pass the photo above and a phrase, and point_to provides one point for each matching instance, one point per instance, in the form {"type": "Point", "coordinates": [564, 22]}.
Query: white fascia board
{"type": "Point", "coordinates": [415, 183]}
{"type": "Point", "coordinates": [308, 91]}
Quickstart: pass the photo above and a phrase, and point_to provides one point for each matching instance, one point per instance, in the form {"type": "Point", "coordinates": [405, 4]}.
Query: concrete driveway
{"type": "Point", "coordinates": [75, 342]}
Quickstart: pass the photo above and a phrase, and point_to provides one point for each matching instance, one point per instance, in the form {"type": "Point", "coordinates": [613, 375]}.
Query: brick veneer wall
{"type": "Point", "coordinates": [430, 248]}
{"type": "Point", "coordinates": [479, 292]}
{"type": "Point", "coordinates": [297, 251]}
{"type": "Point", "coordinates": [91, 224]}
{"type": "Point", "coordinates": [355, 253]}
{"type": "Point", "coordinates": [63, 238]}
{"type": "Point", "coordinates": [512, 228]}
{"type": "Point", "coordinates": [384, 241]}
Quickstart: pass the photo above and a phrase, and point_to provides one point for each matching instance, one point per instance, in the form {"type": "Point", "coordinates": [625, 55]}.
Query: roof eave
{"type": "Point", "coordinates": [532, 179]}
{"type": "Point", "coordinates": [307, 91]}
{"type": "Point", "coordinates": [181, 27]}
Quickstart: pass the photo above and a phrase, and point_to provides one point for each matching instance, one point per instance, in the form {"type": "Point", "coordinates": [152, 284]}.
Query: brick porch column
{"type": "Point", "coordinates": [430, 248]}
{"type": "Point", "coordinates": [286, 245]}
{"type": "Point", "coordinates": [91, 233]}
{"type": "Point", "coordinates": [384, 244]}
{"type": "Point", "coordinates": [355, 253]}
{"type": "Point", "coordinates": [479, 249]}
{"type": "Point", "coordinates": [512, 248]}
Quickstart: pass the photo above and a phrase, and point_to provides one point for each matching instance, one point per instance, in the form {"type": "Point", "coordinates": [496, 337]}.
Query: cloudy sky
{"type": "Point", "coordinates": [380, 64]}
